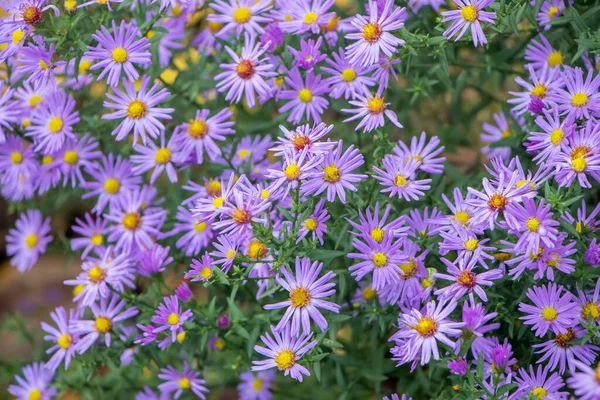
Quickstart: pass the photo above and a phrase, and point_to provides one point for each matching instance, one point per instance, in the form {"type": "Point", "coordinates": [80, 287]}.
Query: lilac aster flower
{"type": "Point", "coordinates": [335, 174]}
{"type": "Point", "coordinates": [177, 382]}
{"type": "Point", "coordinates": [18, 169]}
{"type": "Point", "coordinates": [92, 231]}
{"type": "Point", "coordinates": [304, 137]}
{"type": "Point", "coordinates": [579, 98]}
{"type": "Point", "coordinates": [543, 84]}
{"type": "Point", "coordinates": [381, 259]}
{"type": "Point", "coordinates": [563, 350]}
{"type": "Point", "coordinates": [75, 155]}
{"type": "Point", "coordinates": [283, 352]}
{"type": "Point", "coordinates": [119, 52]}
{"type": "Point", "coordinates": [53, 122]}
{"type": "Point", "coordinates": [315, 223]}
{"type": "Point", "coordinates": [458, 366]}
{"type": "Point", "coordinates": [34, 384]}
{"type": "Point", "coordinates": [36, 62]}
{"type": "Point", "coordinates": [540, 54]}
{"type": "Point", "coordinates": [239, 213]}
{"type": "Point", "coordinates": [138, 110]}
{"type": "Point", "coordinates": [549, 11]}
{"type": "Point", "coordinates": [306, 96]}
{"type": "Point", "coordinates": [62, 337]}
{"type": "Point", "coordinates": [374, 35]}
{"type": "Point", "coordinates": [226, 250]}
{"type": "Point", "coordinates": [106, 315]}
{"type": "Point", "coordinates": [592, 254]}
{"type": "Point", "coordinates": [112, 269]}
{"type": "Point", "coordinates": [398, 178]}
{"type": "Point", "coordinates": [555, 132]}
{"type": "Point", "coordinates": [308, 55]}
{"type": "Point", "coordinates": [576, 163]}
{"type": "Point", "coordinates": [201, 270]}
{"type": "Point", "coordinates": [307, 16]}
{"type": "Point", "coordinates": [464, 280]}
{"type": "Point", "coordinates": [273, 36]}
{"type": "Point", "coordinates": [552, 310]}
{"type": "Point", "coordinates": [256, 386]}
{"type": "Point", "coordinates": [184, 293]}
{"type": "Point", "coordinates": [28, 239]}
{"type": "Point", "coordinates": [375, 227]}
{"type": "Point", "coordinates": [196, 234]}
{"type": "Point", "coordinates": [246, 76]}
{"type": "Point", "coordinates": [8, 111]}
{"type": "Point", "coordinates": [153, 260]}
{"type": "Point", "coordinates": [169, 316]}
{"type": "Point", "coordinates": [585, 223]}
{"type": "Point", "coordinates": [157, 158]}
{"type": "Point", "coordinates": [372, 109]}
{"type": "Point", "coordinates": [466, 243]}
{"type": "Point", "coordinates": [422, 329]}
{"type": "Point", "coordinates": [241, 15]}
{"type": "Point", "coordinates": [469, 15]}
{"type": "Point", "coordinates": [476, 319]}
{"type": "Point", "coordinates": [425, 153]}
{"type": "Point", "coordinates": [200, 135]}
{"type": "Point", "coordinates": [460, 213]}
{"type": "Point", "coordinates": [537, 383]}
{"type": "Point", "coordinates": [532, 224]}
{"type": "Point", "coordinates": [346, 79]}
{"type": "Point", "coordinates": [296, 168]}
{"type": "Point", "coordinates": [306, 296]}
{"type": "Point", "coordinates": [498, 357]}
{"type": "Point", "coordinates": [412, 274]}
{"type": "Point", "coordinates": [585, 383]}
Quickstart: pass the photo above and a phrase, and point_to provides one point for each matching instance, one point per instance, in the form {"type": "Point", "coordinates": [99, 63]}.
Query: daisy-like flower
{"type": "Point", "coordinates": [75, 155]}
{"type": "Point", "coordinates": [585, 383]}
{"type": "Point", "coordinates": [138, 110]}
{"type": "Point", "coordinates": [542, 84]}
{"type": "Point", "coordinates": [375, 227]}
{"type": "Point", "coordinates": [422, 329]}
{"type": "Point", "coordinates": [153, 260]}
{"type": "Point", "coordinates": [532, 224]}
{"type": "Point", "coordinates": [241, 15]}
{"type": "Point", "coordinates": [158, 158]}
{"type": "Point", "coordinates": [335, 174]}
{"type": "Point", "coordinates": [307, 15]}
{"type": "Point", "coordinates": [296, 168]}
{"type": "Point", "coordinates": [169, 316]}
{"type": "Point", "coordinates": [119, 52]}
{"type": "Point", "coordinates": [177, 382]}
{"type": "Point", "coordinates": [470, 14]}
{"type": "Point", "coordinates": [308, 55]}
{"type": "Point", "coordinates": [476, 319]}
{"type": "Point", "coordinates": [549, 11]}
{"type": "Point", "coordinates": [306, 96]}
{"type": "Point", "coordinates": [209, 208]}
{"type": "Point", "coordinates": [380, 258]}
{"type": "Point", "coordinates": [425, 153]}
{"type": "Point", "coordinates": [306, 295]}
{"type": "Point", "coordinates": [537, 383]}
{"type": "Point", "coordinates": [466, 243]}
{"type": "Point", "coordinates": [552, 310]}
{"type": "Point", "coordinates": [283, 352]}
{"type": "Point", "coordinates": [18, 169]}
{"type": "Point", "coordinates": [585, 222]}
{"type": "Point", "coordinates": [346, 79]}
{"type": "Point", "coordinates": [200, 135]}
{"type": "Point", "coordinates": [555, 132]}
{"type": "Point", "coordinates": [246, 75]}
{"type": "Point", "coordinates": [540, 54]}
{"type": "Point", "coordinates": [8, 111]}
{"type": "Point", "coordinates": [398, 178]}
{"type": "Point", "coordinates": [576, 163]}
{"type": "Point", "coordinates": [196, 234]}
{"type": "Point", "coordinates": [464, 280]}
{"type": "Point", "coordinates": [136, 225]}
{"type": "Point", "coordinates": [304, 137]}
{"type": "Point", "coordinates": [315, 223]}
{"type": "Point", "coordinates": [37, 63]}
{"type": "Point", "coordinates": [413, 271]}
{"type": "Point", "coordinates": [62, 337]}
{"type": "Point", "coordinates": [564, 350]}
{"type": "Point", "coordinates": [372, 109]}
{"type": "Point", "coordinates": [183, 292]}
{"type": "Point", "coordinates": [256, 386]}
{"type": "Point", "coordinates": [34, 384]}
{"type": "Point", "coordinates": [374, 36]}
{"type": "Point", "coordinates": [580, 98]}
{"type": "Point", "coordinates": [111, 181]}
{"type": "Point", "coordinates": [28, 239]}
{"type": "Point", "coordinates": [53, 122]}
{"type": "Point", "coordinates": [112, 269]}
{"type": "Point", "coordinates": [460, 213]}
{"type": "Point", "coordinates": [106, 315]}
{"type": "Point", "coordinates": [226, 250]}
{"type": "Point", "coordinates": [239, 213]}
{"type": "Point", "coordinates": [201, 270]}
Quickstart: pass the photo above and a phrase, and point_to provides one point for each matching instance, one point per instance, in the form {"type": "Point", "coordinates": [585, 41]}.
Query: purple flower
{"type": "Point", "coordinates": [304, 137]}
{"type": "Point", "coordinates": [549, 11]}
{"type": "Point", "coordinates": [36, 62]}
{"type": "Point", "coordinates": [592, 254]}
{"type": "Point", "coordinates": [183, 292]}
{"type": "Point", "coordinates": [375, 227]}
{"type": "Point", "coordinates": [196, 233]}
{"type": "Point", "coordinates": [92, 232]}
{"type": "Point", "coordinates": [306, 16]}
{"type": "Point", "coordinates": [243, 15]}
{"type": "Point", "coordinates": [561, 351]}
{"type": "Point", "coordinates": [153, 260]}
{"type": "Point", "coordinates": [28, 239]}
{"type": "Point", "coordinates": [412, 275]}
{"type": "Point", "coordinates": [315, 223]}
{"type": "Point", "coordinates": [75, 155]}
{"type": "Point", "coordinates": [156, 158]}
{"type": "Point", "coordinates": [62, 337]}
{"type": "Point", "coordinates": [306, 96]}
{"type": "Point", "coordinates": [466, 243]}
{"type": "Point", "coordinates": [585, 383]}
{"type": "Point", "coordinates": [239, 213]}
{"type": "Point", "coordinates": [544, 83]}
{"type": "Point", "coordinates": [169, 316]}
{"type": "Point", "coordinates": [284, 351]}
{"type": "Point", "coordinates": [555, 131]}
{"type": "Point", "coordinates": [425, 153]}
{"type": "Point", "coordinates": [177, 382]}
{"type": "Point", "coordinates": [256, 386]}
{"type": "Point", "coordinates": [201, 270]}
{"type": "Point", "coordinates": [372, 109]}
{"type": "Point", "coordinates": [580, 98]}
{"type": "Point", "coordinates": [398, 178]}
{"type": "Point", "coordinates": [373, 36]}
{"type": "Point", "coordinates": [464, 280]}
{"type": "Point", "coordinates": [226, 250]}
{"type": "Point", "coordinates": [34, 384]}
{"type": "Point", "coordinates": [18, 169]}
{"type": "Point", "coordinates": [541, 54]}
{"type": "Point", "coordinates": [498, 357]}
{"type": "Point", "coordinates": [138, 110]}
{"type": "Point", "coordinates": [296, 168]}
{"type": "Point", "coordinates": [9, 113]}
{"type": "Point", "coordinates": [380, 258]}
{"type": "Point", "coordinates": [223, 321]}
{"type": "Point", "coordinates": [476, 319]}
{"type": "Point", "coordinates": [348, 80]}
{"type": "Point", "coordinates": [306, 296]}
{"type": "Point", "coordinates": [539, 384]}
{"type": "Point", "coordinates": [469, 15]}
{"type": "Point", "coordinates": [458, 366]}
{"type": "Point", "coordinates": [532, 224]}
{"type": "Point", "coordinates": [309, 54]}
{"type": "Point", "coordinates": [119, 52]}
{"type": "Point", "coordinates": [273, 37]}
{"type": "Point", "coordinates": [552, 310]}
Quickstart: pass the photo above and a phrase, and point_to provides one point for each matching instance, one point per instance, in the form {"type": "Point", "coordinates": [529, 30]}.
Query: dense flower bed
{"type": "Point", "coordinates": [268, 154]}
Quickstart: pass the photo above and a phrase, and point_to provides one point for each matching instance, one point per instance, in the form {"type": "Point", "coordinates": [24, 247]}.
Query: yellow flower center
{"type": "Point", "coordinates": [31, 14]}
{"type": "Point", "coordinates": [103, 324]}
{"type": "Point", "coordinates": [540, 392]}
{"type": "Point", "coordinates": [299, 297]}
{"type": "Point", "coordinates": [563, 339]}
{"type": "Point", "coordinates": [426, 327]}
{"type": "Point", "coordinates": [292, 172]}
{"type": "Point", "coordinates": [332, 173]}
{"type": "Point", "coordinates": [35, 100]}
{"type": "Point", "coordinates": [173, 319]}
{"type": "Point", "coordinates": [184, 383]}
{"type": "Point", "coordinates": [579, 99]}
{"type": "Point", "coordinates": [466, 279]}
{"type": "Point", "coordinates": [502, 257]}
{"type": "Point", "coordinates": [462, 217]}
{"type": "Point", "coordinates": [505, 134]}
{"type": "Point", "coordinates": [591, 309]}
{"type": "Point", "coordinates": [244, 154]}
{"type": "Point", "coordinates": [285, 359]}
{"type": "Point", "coordinates": [31, 240]}
{"type": "Point", "coordinates": [35, 394]}
{"type": "Point", "coordinates": [469, 13]}
{"type": "Point", "coordinates": [310, 18]}
{"type": "Point", "coordinates": [556, 137]}
{"type": "Point", "coordinates": [245, 69]}
{"type": "Point", "coordinates": [555, 58]}
{"type": "Point", "coordinates": [256, 249]}
{"type": "Point", "coordinates": [533, 224]}
{"type": "Point", "coordinates": [425, 283]}
{"type": "Point", "coordinates": [371, 32]}
{"type": "Point", "coordinates": [119, 55]}
{"type": "Point", "coordinates": [549, 313]}
{"type": "Point", "coordinates": [200, 226]}
{"type": "Point", "coordinates": [553, 260]}
{"type": "Point", "coordinates": [97, 239]}
{"type": "Point", "coordinates": [213, 187]}
{"type": "Point", "coordinates": [47, 159]}
{"type": "Point", "coordinates": [580, 151]}
{"type": "Point", "coordinates": [198, 129]}
{"type": "Point", "coordinates": [579, 164]}
{"type": "Point", "coordinates": [598, 373]}
{"type": "Point", "coordinates": [206, 273]}
{"type": "Point", "coordinates": [539, 90]}
{"type": "Point", "coordinates": [16, 157]}
{"type": "Point", "coordinates": [17, 36]}
{"type": "Point", "coordinates": [180, 337]}
{"type": "Point", "coordinates": [400, 181]}
{"type": "Point", "coordinates": [242, 15]}
{"type": "Point", "coordinates": [96, 274]}
{"type": "Point", "coordinates": [376, 105]}
{"type": "Point", "coordinates": [111, 186]}
{"type": "Point", "coordinates": [311, 224]}
{"type": "Point", "coordinates": [65, 341]}
{"type": "Point", "coordinates": [241, 216]}
{"type": "Point", "coordinates": [71, 157]}
{"type": "Point", "coordinates": [348, 75]}
{"type": "Point", "coordinates": [230, 254]}
{"type": "Point", "coordinates": [257, 384]}
{"type": "Point", "coordinates": [131, 221]}
{"type": "Point", "coordinates": [552, 11]}
{"type": "Point", "coordinates": [305, 95]}
{"type": "Point", "coordinates": [70, 5]}
{"type": "Point", "coordinates": [55, 125]}
{"type": "Point", "coordinates": [409, 269]}
{"type": "Point", "coordinates": [377, 234]}
{"type": "Point", "coordinates": [471, 244]}
{"type": "Point", "coordinates": [84, 66]}
{"type": "Point", "coordinates": [300, 141]}
{"type": "Point", "coordinates": [78, 289]}
{"type": "Point", "coordinates": [163, 155]}
{"type": "Point", "coordinates": [218, 202]}
{"type": "Point", "coordinates": [332, 25]}
{"type": "Point", "coordinates": [497, 202]}
{"type": "Point", "coordinates": [379, 259]}
{"type": "Point", "coordinates": [137, 109]}
{"type": "Point", "coordinates": [369, 294]}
